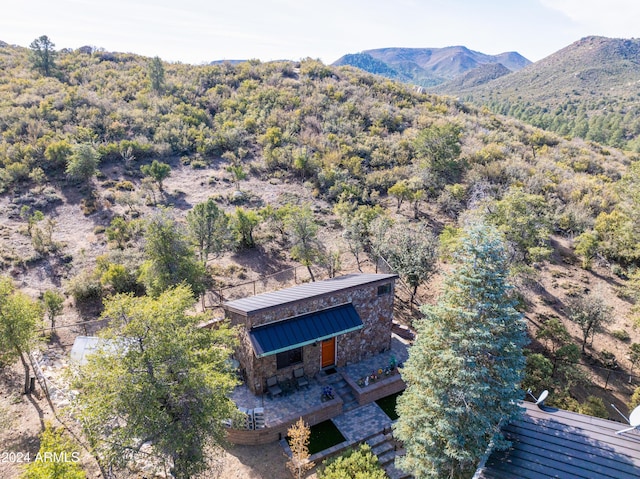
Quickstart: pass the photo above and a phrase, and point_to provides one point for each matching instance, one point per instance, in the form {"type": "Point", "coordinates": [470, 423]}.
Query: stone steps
{"type": "Point", "coordinates": [346, 407]}
{"type": "Point", "coordinates": [328, 379]}
{"type": "Point", "coordinates": [386, 459]}
{"type": "Point", "coordinates": [336, 380]}
{"type": "Point", "coordinates": [384, 447]}
{"type": "Point", "coordinates": [342, 389]}
{"type": "Point", "coordinates": [375, 440]}
{"type": "Point", "coordinates": [394, 473]}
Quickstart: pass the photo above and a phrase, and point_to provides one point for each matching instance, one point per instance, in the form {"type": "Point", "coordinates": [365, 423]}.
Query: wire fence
{"type": "Point", "coordinates": [87, 327]}
{"type": "Point", "coordinates": [291, 277]}
{"type": "Point", "coordinates": [616, 379]}
{"type": "Point", "coordinates": [278, 280]}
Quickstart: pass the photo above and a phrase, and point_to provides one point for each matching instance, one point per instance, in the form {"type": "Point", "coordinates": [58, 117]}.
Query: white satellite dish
{"type": "Point", "coordinates": [542, 397]}
{"type": "Point", "coordinates": [634, 420]}
{"type": "Point", "coordinates": [539, 400]}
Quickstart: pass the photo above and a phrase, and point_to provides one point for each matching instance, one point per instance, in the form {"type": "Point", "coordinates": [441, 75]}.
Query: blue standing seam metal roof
{"type": "Point", "coordinates": [306, 329]}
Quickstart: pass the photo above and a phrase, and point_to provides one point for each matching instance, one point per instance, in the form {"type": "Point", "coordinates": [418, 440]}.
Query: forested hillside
{"type": "Point", "coordinates": [347, 135]}
{"type": "Point", "coordinates": [120, 173]}
{"type": "Point", "coordinates": [588, 90]}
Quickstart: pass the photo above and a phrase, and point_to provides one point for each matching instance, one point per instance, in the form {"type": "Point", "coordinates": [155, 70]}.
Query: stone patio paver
{"type": "Point", "coordinates": [362, 422]}
{"type": "Point", "coordinates": [283, 407]}
{"type": "Point", "coordinates": [379, 361]}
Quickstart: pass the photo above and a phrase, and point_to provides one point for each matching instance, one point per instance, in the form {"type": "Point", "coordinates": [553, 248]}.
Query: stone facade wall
{"type": "Point", "coordinates": [375, 311]}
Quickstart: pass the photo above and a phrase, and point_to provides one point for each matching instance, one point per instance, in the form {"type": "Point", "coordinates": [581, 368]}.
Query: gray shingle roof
{"type": "Point", "coordinates": [260, 302]}
{"type": "Point", "coordinates": [561, 444]}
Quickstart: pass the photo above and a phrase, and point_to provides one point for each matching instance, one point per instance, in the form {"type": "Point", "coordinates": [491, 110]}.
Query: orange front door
{"type": "Point", "coordinates": [328, 352]}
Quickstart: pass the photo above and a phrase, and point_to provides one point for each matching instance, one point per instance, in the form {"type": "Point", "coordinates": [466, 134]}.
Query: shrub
{"type": "Point", "coordinates": [620, 334]}
{"type": "Point", "coordinates": [119, 279]}
{"type": "Point", "coordinates": [57, 152]}
{"type": "Point", "coordinates": [357, 463]}
{"type": "Point", "coordinates": [586, 245]}
{"type": "Point", "coordinates": [125, 185]}
{"type": "Point", "coordinates": [54, 440]}
{"type": "Point", "coordinates": [198, 164]}
{"type": "Point", "coordinates": [635, 399]}
{"type": "Point", "coordinates": [84, 287]}
{"type": "Point", "coordinates": [83, 162]}
{"type": "Point", "coordinates": [594, 406]}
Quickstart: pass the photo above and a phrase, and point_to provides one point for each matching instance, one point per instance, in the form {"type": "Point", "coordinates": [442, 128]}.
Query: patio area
{"type": "Point", "coordinates": [283, 407]}
{"type": "Point", "coordinates": [398, 352]}
{"type": "Point", "coordinates": [280, 412]}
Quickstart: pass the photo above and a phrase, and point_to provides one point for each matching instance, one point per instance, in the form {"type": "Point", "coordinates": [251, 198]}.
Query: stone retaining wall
{"type": "Point", "coordinates": [379, 389]}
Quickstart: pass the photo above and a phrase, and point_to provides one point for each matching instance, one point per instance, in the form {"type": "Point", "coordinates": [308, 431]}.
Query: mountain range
{"type": "Point", "coordinates": [588, 89]}
{"type": "Point", "coordinates": [428, 66]}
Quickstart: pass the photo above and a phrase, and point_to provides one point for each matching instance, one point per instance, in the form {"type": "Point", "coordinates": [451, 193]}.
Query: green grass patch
{"type": "Point", "coordinates": [388, 405]}
{"type": "Point", "coordinates": [324, 436]}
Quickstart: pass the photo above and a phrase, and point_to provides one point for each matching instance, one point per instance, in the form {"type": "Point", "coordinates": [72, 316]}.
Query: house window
{"type": "Point", "coordinates": [289, 358]}
{"type": "Point", "coordinates": [384, 289]}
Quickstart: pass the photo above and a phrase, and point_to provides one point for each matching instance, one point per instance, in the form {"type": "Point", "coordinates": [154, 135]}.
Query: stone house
{"type": "Point", "coordinates": [316, 326]}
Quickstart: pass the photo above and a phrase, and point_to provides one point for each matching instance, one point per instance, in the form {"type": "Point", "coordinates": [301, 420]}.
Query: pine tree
{"type": "Point", "coordinates": [464, 370]}
{"type": "Point", "coordinates": [43, 55]}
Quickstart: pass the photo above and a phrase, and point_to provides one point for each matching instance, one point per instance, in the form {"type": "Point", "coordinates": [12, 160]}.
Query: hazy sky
{"type": "Point", "coordinates": [196, 31]}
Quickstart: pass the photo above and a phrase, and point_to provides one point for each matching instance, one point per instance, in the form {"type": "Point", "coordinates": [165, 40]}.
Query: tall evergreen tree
{"type": "Point", "coordinates": [43, 54]}
{"type": "Point", "coordinates": [464, 370]}
{"type": "Point", "coordinates": [155, 70]}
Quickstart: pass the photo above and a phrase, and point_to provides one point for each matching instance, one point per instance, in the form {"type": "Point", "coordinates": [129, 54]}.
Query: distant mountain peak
{"type": "Point", "coordinates": [428, 66]}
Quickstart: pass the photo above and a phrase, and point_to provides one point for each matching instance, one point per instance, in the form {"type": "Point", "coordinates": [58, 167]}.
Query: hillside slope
{"type": "Point", "coordinates": [476, 77]}
{"type": "Point", "coordinates": [364, 158]}
{"type": "Point", "coordinates": [588, 89]}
